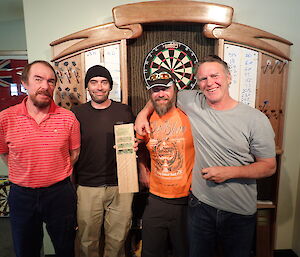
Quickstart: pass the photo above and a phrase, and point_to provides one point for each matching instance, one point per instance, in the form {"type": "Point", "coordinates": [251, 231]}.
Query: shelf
{"type": "Point", "coordinates": [265, 205]}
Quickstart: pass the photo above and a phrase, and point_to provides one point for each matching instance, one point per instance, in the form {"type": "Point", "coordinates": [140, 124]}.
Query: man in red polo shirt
{"type": "Point", "coordinates": [40, 142]}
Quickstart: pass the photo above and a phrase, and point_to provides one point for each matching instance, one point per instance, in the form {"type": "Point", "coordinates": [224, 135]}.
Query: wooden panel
{"type": "Point", "coordinates": [172, 11]}
{"type": "Point", "coordinates": [269, 93]}
{"type": "Point", "coordinates": [124, 72]}
{"type": "Point", "coordinates": [70, 88]}
{"type": "Point", "coordinates": [251, 37]}
{"type": "Point", "coordinates": [92, 37]}
{"type": "Point", "coordinates": [126, 159]}
{"type": "Point", "coordinates": [264, 233]}
{"type": "Point", "coordinates": [189, 34]}
{"type": "Point", "coordinates": [70, 84]}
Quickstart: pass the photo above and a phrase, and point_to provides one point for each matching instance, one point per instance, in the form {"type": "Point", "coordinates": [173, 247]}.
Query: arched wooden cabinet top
{"type": "Point", "coordinates": [172, 11]}
{"type": "Point", "coordinates": [92, 37]}
{"type": "Point", "coordinates": [249, 36]}
{"type": "Point", "coordinates": [128, 20]}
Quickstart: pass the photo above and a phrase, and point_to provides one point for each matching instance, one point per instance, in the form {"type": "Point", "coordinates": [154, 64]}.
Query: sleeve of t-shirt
{"type": "Point", "coordinates": [144, 138]}
{"type": "Point", "coordinates": [182, 96]}
{"type": "Point", "coordinates": [262, 142]}
{"type": "Point", "coordinates": [185, 98]}
{"type": "Point", "coordinates": [130, 115]}
{"type": "Point", "coordinates": [75, 135]}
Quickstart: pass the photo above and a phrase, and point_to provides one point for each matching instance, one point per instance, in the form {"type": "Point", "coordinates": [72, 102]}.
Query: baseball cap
{"type": "Point", "coordinates": [160, 78]}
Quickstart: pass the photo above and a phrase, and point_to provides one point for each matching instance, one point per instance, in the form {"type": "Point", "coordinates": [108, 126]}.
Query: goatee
{"type": "Point", "coordinates": [162, 109]}
{"type": "Point", "coordinates": [99, 100]}
{"type": "Point", "coordinates": [41, 104]}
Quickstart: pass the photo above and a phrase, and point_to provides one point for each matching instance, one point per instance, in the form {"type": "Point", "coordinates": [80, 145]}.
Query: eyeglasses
{"type": "Point", "coordinates": [162, 75]}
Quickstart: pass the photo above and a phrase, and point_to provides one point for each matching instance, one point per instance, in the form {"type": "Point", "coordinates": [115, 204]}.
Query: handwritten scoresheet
{"type": "Point", "coordinates": [109, 57]}
{"type": "Point", "coordinates": [242, 64]}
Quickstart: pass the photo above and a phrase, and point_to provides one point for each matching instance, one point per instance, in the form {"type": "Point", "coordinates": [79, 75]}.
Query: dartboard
{"type": "Point", "coordinates": [177, 58]}
{"type": "Point", "coordinates": [4, 191]}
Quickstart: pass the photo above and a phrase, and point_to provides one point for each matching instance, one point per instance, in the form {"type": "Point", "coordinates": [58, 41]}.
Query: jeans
{"type": "Point", "coordinates": [30, 207]}
{"type": "Point", "coordinates": [208, 225]}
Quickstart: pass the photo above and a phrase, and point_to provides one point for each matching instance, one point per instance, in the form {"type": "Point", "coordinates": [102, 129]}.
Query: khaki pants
{"type": "Point", "coordinates": [99, 206]}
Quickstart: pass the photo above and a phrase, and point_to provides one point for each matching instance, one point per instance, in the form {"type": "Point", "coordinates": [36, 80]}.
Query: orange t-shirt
{"type": "Point", "coordinates": [171, 149]}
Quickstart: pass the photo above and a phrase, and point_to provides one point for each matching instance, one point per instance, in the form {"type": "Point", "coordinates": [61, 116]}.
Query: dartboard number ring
{"type": "Point", "coordinates": [177, 58]}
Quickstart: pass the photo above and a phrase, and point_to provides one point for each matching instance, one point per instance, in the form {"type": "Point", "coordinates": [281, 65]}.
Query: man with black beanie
{"type": "Point", "coordinates": [99, 202]}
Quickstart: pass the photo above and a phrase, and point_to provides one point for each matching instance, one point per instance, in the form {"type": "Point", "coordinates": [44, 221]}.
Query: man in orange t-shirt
{"type": "Point", "coordinates": [172, 158]}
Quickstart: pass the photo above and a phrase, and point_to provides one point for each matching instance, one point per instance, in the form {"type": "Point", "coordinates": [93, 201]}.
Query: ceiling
{"type": "Point", "coordinates": [11, 10]}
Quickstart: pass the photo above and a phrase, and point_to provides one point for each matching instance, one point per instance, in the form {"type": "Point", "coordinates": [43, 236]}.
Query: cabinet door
{"type": "Point", "coordinates": [71, 73]}
{"type": "Point", "coordinates": [270, 96]}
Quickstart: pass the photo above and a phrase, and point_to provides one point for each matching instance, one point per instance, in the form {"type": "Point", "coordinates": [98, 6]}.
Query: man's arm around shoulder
{"type": "Point", "coordinates": [141, 125]}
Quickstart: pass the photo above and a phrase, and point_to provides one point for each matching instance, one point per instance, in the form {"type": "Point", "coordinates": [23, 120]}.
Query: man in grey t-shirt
{"type": "Point", "coordinates": [234, 146]}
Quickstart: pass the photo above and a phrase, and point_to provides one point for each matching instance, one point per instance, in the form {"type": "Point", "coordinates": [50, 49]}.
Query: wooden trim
{"type": "Point", "coordinates": [91, 37]}
{"type": "Point", "coordinates": [279, 151]}
{"type": "Point", "coordinates": [82, 74]}
{"type": "Point", "coordinates": [276, 192]}
{"type": "Point", "coordinates": [283, 102]}
{"type": "Point", "coordinates": [265, 206]}
{"type": "Point", "coordinates": [124, 72]}
{"type": "Point", "coordinates": [172, 11]}
{"type": "Point", "coordinates": [249, 36]}
{"type": "Point", "coordinates": [220, 48]}
{"type": "Point", "coordinates": [258, 80]}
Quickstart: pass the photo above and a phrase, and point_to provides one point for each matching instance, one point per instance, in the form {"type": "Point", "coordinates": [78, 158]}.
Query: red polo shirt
{"type": "Point", "coordinates": [38, 154]}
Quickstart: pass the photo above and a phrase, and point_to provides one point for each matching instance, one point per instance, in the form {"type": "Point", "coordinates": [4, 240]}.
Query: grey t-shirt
{"type": "Point", "coordinates": [226, 138]}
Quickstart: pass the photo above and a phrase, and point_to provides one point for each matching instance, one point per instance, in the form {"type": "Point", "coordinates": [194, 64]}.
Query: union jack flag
{"type": "Point", "coordinates": [10, 71]}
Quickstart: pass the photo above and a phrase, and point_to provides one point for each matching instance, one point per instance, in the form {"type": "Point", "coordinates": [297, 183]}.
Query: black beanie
{"type": "Point", "coordinates": [98, 71]}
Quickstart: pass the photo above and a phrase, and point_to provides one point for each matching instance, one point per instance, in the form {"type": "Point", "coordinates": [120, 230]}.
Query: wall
{"type": "Point", "coordinates": [12, 38]}
{"type": "Point", "coordinates": [46, 21]}
{"type": "Point", "coordinates": [296, 241]}
{"type": "Point", "coordinates": [3, 168]}
{"type": "Point", "coordinates": [12, 35]}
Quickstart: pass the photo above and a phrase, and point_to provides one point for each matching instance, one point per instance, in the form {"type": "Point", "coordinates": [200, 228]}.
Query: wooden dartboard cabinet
{"type": "Point", "coordinates": [208, 29]}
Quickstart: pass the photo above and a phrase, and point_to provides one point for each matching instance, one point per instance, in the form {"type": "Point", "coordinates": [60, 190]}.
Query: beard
{"type": "Point", "coordinates": [99, 100]}
{"type": "Point", "coordinates": [96, 98]}
{"type": "Point", "coordinates": [41, 103]}
{"type": "Point", "coordinates": [163, 108]}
